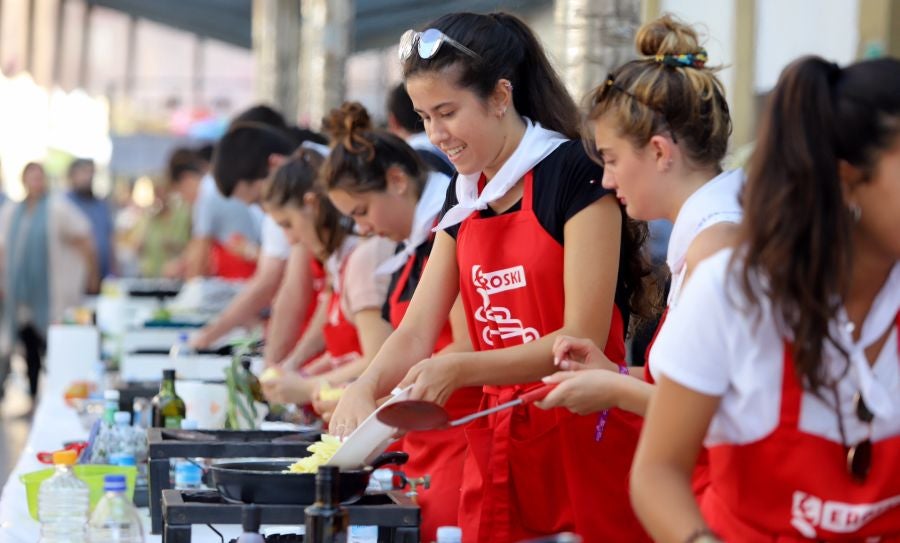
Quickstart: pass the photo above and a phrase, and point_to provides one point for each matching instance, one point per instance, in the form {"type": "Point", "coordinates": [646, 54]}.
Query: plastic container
{"type": "Point", "coordinates": [63, 503]}
{"type": "Point", "coordinates": [91, 474]}
{"type": "Point", "coordinates": [115, 520]}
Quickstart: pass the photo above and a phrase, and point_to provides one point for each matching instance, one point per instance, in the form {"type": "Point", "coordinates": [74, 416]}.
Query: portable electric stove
{"type": "Point", "coordinates": [165, 444]}
{"type": "Point", "coordinates": [394, 512]}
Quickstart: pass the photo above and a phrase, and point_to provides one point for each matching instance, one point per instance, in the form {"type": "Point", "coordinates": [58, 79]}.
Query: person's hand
{"type": "Point", "coordinates": [433, 379]}
{"type": "Point", "coordinates": [573, 354]}
{"type": "Point", "coordinates": [289, 388]}
{"type": "Point", "coordinates": [320, 365]}
{"type": "Point", "coordinates": [201, 340]}
{"type": "Point", "coordinates": [325, 399]}
{"type": "Point", "coordinates": [583, 392]}
{"type": "Point", "coordinates": [356, 404]}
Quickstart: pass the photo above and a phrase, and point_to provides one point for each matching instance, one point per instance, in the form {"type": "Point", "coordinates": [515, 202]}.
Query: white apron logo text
{"type": "Point", "coordinates": [506, 326]}
{"type": "Point", "coordinates": [810, 512]}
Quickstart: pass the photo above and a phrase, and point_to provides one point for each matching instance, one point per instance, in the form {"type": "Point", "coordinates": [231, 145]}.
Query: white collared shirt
{"type": "Point", "coordinates": [713, 344]}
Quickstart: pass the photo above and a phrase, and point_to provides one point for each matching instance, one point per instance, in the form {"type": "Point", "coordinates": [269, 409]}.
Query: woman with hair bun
{"type": "Point", "coordinates": [382, 183]}
{"type": "Point", "coordinates": [660, 128]}
{"type": "Point", "coordinates": [782, 356]}
{"type": "Point", "coordinates": [535, 248]}
{"type": "Point", "coordinates": [353, 330]}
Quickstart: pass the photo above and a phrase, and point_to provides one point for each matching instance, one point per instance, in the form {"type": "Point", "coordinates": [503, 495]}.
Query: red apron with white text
{"type": "Point", "coordinates": [531, 472]}
{"type": "Point", "coordinates": [792, 486]}
{"type": "Point", "coordinates": [228, 265]}
{"type": "Point", "coordinates": [438, 453]}
{"type": "Point", "coordinates": [341, 339]}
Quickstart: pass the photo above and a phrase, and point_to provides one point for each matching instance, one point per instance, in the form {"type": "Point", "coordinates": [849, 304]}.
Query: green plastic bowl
{"type": "Point", "coordinates": [92, 474]}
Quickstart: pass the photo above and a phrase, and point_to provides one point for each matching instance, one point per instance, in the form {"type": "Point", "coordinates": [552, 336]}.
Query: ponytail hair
{"type": "Point", "coordinates": [795, 238]}
{"type": "Point", "coordinates": [360, 156]}
{"type": "Point", "coordinates": [507, 49]}
{"type": "Point", "coordinates": [293, 181]}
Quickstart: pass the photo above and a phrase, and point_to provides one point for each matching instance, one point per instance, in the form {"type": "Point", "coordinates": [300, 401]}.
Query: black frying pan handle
{"type": "Point", "coordinates": [396, 458]}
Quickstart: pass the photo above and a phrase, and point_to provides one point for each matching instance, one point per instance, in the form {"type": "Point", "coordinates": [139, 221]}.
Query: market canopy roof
{"type": "Point", "coordinates": [378, 22]}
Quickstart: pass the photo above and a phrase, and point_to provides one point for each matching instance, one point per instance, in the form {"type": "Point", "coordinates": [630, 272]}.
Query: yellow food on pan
{"type": "Point", "coordinates": [322, 451]}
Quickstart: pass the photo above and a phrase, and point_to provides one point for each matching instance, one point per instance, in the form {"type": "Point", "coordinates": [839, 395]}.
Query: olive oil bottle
{"type": "Point", "coordinates": [168, 409]}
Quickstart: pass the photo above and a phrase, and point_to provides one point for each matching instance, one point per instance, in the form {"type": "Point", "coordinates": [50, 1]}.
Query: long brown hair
{"type": "Point", "coordinates": [507, 49]}
{"type": "Point", "coordinates": [795, 240]}
{"type": "Point", "coordinates": [298, 177]}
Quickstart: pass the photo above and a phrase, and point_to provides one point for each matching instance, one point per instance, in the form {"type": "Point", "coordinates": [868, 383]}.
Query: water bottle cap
{"type": "Point", "coordinates": [67, 457]}
{"type": "Point", "coordinates": [189, 424]}
{"type": "Point", "coordinates": [111, 394]}
{"type": "Point", "coordinates": [122, 418]}
{"type": "Point", "coordinates": [122, 459]}
{"type": "Point", "coordinates": [183, 337]}
{"type": "Point", "coordinates": [114, 483]}
{"type": "Point", "coordinates": [449, 534]}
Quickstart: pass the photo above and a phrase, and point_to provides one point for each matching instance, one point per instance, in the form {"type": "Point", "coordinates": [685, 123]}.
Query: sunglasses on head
{"type": "Point", "coordinates": [427, 43]}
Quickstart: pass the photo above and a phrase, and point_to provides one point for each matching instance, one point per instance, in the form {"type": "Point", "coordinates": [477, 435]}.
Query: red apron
{"type": "Point", "coordinates": [317, 271]}
{"type": "Point", "coordinates": [531, 472]}
{"type": "Point", "coordinates": [792, 486]}
{"type": "Point", "coordinates": [439, 453]}
{"type": "Point", "coordinates": [228, 265]}
{"type": "Point", "coordinates": [341, 339]}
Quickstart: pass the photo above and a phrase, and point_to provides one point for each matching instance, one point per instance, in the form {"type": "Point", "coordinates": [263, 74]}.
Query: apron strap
{"type": "Point", "coordinates": [791, 392]}
{"type": "Point", "coordinates": [527, 192]}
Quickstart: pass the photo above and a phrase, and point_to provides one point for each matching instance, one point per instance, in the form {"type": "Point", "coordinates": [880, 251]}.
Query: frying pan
{"type": "Point", "coordinates": [265, 481]}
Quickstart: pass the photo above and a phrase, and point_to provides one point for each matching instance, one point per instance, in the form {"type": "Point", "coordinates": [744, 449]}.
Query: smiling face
{"type": "Point", "coordinates": [458, 121]}
{"type": "Point", "coordinates": [632, 173]}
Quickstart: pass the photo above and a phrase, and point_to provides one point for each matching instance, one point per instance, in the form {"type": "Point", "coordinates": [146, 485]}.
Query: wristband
{"type": "Point", "coordinates": [601, 419]}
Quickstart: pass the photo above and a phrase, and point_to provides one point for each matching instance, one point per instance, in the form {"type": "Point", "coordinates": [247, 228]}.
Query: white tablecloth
{"type": "Point", "coordinates": [55, 423]}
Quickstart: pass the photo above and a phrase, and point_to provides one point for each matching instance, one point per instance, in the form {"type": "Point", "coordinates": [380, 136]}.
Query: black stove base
{"type": "Point", "coordinates": [395, 514]}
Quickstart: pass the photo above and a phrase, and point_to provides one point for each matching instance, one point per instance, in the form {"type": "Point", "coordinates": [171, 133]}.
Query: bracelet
{"type": "Point", "coordinates": [601, 419]}
{"type": "Point", "coordinates": [703, 535]}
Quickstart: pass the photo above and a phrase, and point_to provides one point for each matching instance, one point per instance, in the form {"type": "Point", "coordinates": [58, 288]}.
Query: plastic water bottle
{"type": "Point", "coordinates": [188, 473]}
{"type": "Point", "coordinates": [115, 520]}
{"type": "Point", "coordinates": [181, 348]}
{"type": "Point", "coordinates": [449, 534]}
{"type": "Point", "coordinates": [63, 503]}
{"type": "Point", "coordinates": [123, 435]}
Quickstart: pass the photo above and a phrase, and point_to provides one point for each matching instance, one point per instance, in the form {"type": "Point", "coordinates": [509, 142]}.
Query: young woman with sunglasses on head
{"type": "Point", "coordinates": [383, 184]}
{"type": "Point", "coordinates": [782, 355]}
{"type": "Point", "coordinates": [353, 330]}
{"type": "Point", "coordinates": [661, 128]}
{"type": "Point", "coordinates": [531, 243]}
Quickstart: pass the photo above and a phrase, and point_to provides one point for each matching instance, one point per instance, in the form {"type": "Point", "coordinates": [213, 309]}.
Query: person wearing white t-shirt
{"type": "Point", "coordinates": [661, 128]}
{"type": "Point", "coordinates": [782, 355]}
{"type": "Point", "coordinates": [241, 165]}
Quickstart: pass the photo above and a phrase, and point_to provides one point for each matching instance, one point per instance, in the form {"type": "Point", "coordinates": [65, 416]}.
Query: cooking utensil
{"type": "Point", "coordinates": [370, 439]}
{"type": "Point", "coordinates": [419, 415]}
{"type": "Point", "coordinates": [268, 482]}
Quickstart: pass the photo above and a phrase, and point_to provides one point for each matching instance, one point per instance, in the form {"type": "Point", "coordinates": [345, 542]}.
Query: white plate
{"type": "Point", "coordinates": [370, 438]}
